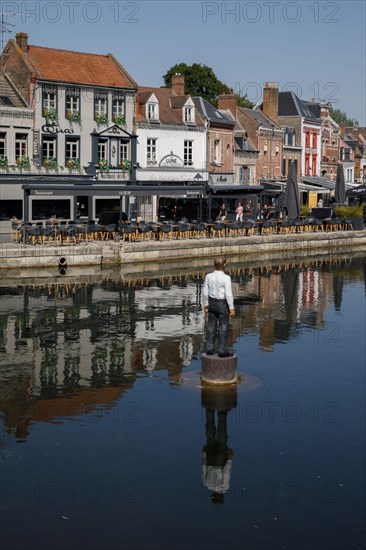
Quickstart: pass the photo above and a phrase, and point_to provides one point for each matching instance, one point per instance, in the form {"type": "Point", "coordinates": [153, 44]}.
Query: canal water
{"type": "Point", "coordinates": [109, 440]}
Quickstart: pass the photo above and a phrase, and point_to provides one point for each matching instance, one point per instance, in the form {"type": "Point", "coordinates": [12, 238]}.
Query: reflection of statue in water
{"type": "Point", "coordinates": [216, 455]}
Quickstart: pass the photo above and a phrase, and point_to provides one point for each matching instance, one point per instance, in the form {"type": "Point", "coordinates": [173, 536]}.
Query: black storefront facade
{"type": "Point", "coordinates": [123, 196]}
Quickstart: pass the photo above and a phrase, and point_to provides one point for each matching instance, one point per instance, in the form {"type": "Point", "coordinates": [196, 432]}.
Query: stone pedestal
{"type": "Point", "coordinates": [219, 370]}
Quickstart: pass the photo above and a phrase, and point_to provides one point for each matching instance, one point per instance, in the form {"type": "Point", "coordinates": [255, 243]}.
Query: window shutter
{"type": "Point", "coordinates": [212, 150]}
{"type": "Point", "coordinates": [222, 151]}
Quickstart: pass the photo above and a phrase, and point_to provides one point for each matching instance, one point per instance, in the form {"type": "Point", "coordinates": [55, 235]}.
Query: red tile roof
{"type": "Point", "coordinates": [77, 67]}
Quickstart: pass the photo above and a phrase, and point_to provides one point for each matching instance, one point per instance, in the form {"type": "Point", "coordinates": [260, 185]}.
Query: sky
{"type": "Point", "coordinates": [315, 48]}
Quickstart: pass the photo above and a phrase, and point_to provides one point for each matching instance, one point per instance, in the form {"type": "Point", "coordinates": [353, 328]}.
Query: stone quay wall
{"type": "Point", "coordinates": [19, 256]}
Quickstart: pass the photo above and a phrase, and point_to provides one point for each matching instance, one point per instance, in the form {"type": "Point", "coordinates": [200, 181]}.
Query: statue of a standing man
{"type": "Point", "coordinates": [218, 302]}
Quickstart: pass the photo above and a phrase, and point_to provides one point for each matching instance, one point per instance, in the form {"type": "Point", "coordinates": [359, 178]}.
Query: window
{"type": "Point", "coordinates": [48, 97]}
{"type": "Point", "coordinates": [2, 144]}
{"type": "Point", "coordinates": [118, 106]}
{"type": "Point", "coordinates": [102, 149]}
{"type": "Point", "coordinates": [217, 151]}
{"type": "Point", "coordinates": [100, 104]}
{"type": "Point", "coordinates": [152, 111]}
{"type": "Point", "coordinates": [188, 152]}
{"type": "Point", "coordinates": [123, 151]}
{"type": "Point", "coordinates": [307, 139]}
{"type": "Point", "coordinates": [188, 114]}
{"type": "Point", "coordinates": [72, 100]}
{"type": "Point", "coordinates": [48, 148]}
{"type": "Point", "coordinates": [290, 137]}
{"type": "Point", "coordinates": [314, 140]}
{"type": "Point", "coordinates": [314, 173]}
{"type": "Point", "coordinates": [72, 148]}
{"type": "Point", "coordinates": [151, 151]}
{"type": "Point", "coordinates": [21, 145]}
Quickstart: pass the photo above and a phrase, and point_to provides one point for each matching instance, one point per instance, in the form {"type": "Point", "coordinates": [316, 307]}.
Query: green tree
{"type": "Point", "coordinates": [200, 80]}
{"type": "Point", "coordinates": [340, 117]}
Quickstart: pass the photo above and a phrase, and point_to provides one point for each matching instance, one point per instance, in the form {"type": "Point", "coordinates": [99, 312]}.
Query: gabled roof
{"type": "Point", "coordinates": [9, 95]}
{"type": "Point", "coordinates": [259, 118]}
{"type": "Point", "coordinates": [211, 113]}
{"type": "Point", "coordinates": [169, 106]}
{"type": "Point", "coordinates": [289, 104]}
{"type": "Point", "coordinates": [77, 67]}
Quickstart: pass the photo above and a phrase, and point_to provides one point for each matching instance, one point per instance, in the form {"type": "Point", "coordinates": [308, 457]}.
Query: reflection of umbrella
{"type": "Point", "coordinates": [291, 200]}
{"type": "Point", "coordinates": [340, 188]}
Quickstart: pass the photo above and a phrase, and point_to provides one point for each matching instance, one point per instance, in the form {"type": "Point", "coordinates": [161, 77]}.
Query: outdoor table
{"type": "Point", "coordinates": [155, 226]}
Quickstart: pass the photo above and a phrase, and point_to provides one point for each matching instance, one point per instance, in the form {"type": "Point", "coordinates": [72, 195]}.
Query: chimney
{"type": "Point", "coordinates": [342, 130]}
{"type": "Point", "coordinates": [227, 101]}
{"type": "Point", "coordinates": [178, 83]}
{"type": "Point", "coordinates": [22, 41]}
{"type": "Point", "coordinates": [270, 101]}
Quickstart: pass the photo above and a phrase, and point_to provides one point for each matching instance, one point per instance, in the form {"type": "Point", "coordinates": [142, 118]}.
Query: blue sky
{"type": "Point", "coordinates": [315, 48]}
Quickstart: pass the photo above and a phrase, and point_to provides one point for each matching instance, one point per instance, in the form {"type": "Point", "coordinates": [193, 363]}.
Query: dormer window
{"type": "Point", "coordinates": [152, 111]}
{"type": "Point", "coordinates": [188, 114]}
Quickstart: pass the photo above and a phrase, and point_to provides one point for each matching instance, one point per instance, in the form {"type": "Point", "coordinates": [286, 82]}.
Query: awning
{"type": "Point", "coordinates": [86, 189]}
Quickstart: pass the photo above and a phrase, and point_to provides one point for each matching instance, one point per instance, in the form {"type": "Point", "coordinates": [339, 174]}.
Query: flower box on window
{"type": "Point", "coordinates": [125, 165]}
{"type": "Point", "coordinates": [101, 119]}
{"type": "Point", "coordinates": [50, 114]}
{"type": "Point", "coordinates": [50, 163]}
{"type": "Point", "coordinates": [120, 120]}
{"type": "Point", "coordinates": [4, 162]}
{"type": "Point", "coordinates": [23, 162]}
{"type": "Point", "coordinates": [73, 164]}
{"type": "Point", "coordinates": [73, 116]}
{"type": "Point", "coordinates": [103, 165]}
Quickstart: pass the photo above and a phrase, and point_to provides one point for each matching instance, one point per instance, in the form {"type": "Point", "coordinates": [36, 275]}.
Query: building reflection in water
{"type": "Point", "coordinates": [217, 457]}
{"type": "Point", "coordinates": [66, 340]}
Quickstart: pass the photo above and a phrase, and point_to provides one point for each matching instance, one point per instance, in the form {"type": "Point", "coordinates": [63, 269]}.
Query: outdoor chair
{"type": "Point", "coordinates": [109, 231]}
{"type": "Point", "coordinates": [145, 232]}
{"type": "Point", "coordinates": [318, 225]}
{"type": "Point", "coordinates": [308, 224]}
{"type": "Point", "coordinates": [249, 227]}
{"type": "Point", "coordinates": [347, 224]}
{"type": "Point", "coordinates": [199, 230]}
{"type": "Point", "coordinates": [128, 233]}
{"type": "Point", "coordinates": [166, 231]}
{"type": "Point", "coordinates": [183, 231]}
{"type": "Point", "coordinates": [218, 230]}
{"type": "Point", "coordinates": [299, 225]}
{"type": "Point", "coordinates": [236, 228]}
{"type": "Point", "coordinates": [267, 227]}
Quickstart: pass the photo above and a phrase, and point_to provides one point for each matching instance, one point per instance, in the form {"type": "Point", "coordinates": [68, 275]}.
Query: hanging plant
{"type": "Point", "coordinates": [101, 119]}
{"type": "Point", "coordinates": [50, 114]}
{"type": "Point", "coordinates": [73, 164]}
{"type": "Point", "coordinates": [103, 165]}
{"type": "Point", "coordinates": [125, 165]}
{"type": "Point", "coordinates": [73, 116]}
{"type": "Point", "coordinates": [4, 162]}
{"type": "Point", "coordinates": [23, 162]}
{"type": "Point", "coordinates": [120, 120]}
{"type": "Point", "coordinates": [50, 163]}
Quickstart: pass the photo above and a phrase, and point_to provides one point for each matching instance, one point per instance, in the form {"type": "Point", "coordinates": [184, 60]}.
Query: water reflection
{"type": "Point", "coordinates": [68, 347]}
{"type": "Point", "coordinates": [217, 457]}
